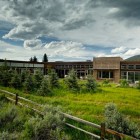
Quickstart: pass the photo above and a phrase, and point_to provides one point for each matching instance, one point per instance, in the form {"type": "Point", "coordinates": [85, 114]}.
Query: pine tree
{"type": "Point", "coordinates": [38, 76]}
{"type": "Point", "coordinates": [53, 79]}
{"type": "Point", "coordinates": [71, 81]}
{"type": "Point", "coordinates": [44, 88]}
{"type": "Point", "coordinates": [28, 84]}
{"type": "Point", "coordinates": [91, 84]}
{"type": "Point", "coordinates": [35, 59]}
{"type": "Point", "coordinates": [16, 81]}
{"type": "Point", "coordinates": [45, 58]}
{"type": "Point", "coordinates": [31, 59]}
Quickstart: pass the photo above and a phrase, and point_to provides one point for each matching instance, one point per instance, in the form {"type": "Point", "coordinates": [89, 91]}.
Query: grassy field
{"type": "Point", "coordinates": [90, 106]}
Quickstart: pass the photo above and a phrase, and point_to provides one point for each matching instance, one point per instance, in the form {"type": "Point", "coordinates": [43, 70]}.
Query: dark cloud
{"type": "Point", "coordinates": [128, 10]}
{"type": "Point", "coordinates": [39, 17]}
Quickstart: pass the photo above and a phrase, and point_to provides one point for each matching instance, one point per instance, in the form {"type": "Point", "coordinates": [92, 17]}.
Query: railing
{"type": "Point", "coordinates": [101, 128]}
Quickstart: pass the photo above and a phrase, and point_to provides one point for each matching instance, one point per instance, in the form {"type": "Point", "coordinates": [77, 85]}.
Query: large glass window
{"type": "Point", "coordinates": [138, 67]}
{"type": "Point", "coordinates": [105, 74]}
{"type": "Point", "coordinates": [137, 76]}
{"type": "Point", "coordinates": [124, 75]}
{"type": "Point", "coordinates": [131, 76]}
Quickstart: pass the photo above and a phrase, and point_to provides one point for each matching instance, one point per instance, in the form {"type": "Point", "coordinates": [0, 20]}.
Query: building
{"type": "Point", "coordinates": [23, 65]}
{"type": "Point", "coordinates": [130, 70]}
{"type": "Point", "coordinates": [111, 68]}
{"type": "Point", "coordinates": [61, 68]}
{"type": "Point", "coordinates": [107, 68]}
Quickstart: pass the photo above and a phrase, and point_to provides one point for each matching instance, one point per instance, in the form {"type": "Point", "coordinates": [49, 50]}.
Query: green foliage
{"type": "Point", "coordinates": [124, 83]}
{"type": "Point", "coordinates": [28, 84]}
{"type": "Point", "coordinates": [138, 85]}
{"type": "Point", "coordinates": [5, 135]}
{"type": "Point", "coordinates": [53, 79]}
{"type": "Point", "coordinates": [45, 58]}
{"type": "Point", "coordinates": [24, 74]}
{"type": "Point", "coordinates": [91, 84]}
{"type": "Point", "coordinates": [49, 127]}
{"type": "Point", "coordinates": [116, 121]}
{"type": "Point", "coordinates": [8, 115]}
{"type": "Point", "coordinates": [71, 81]}
{"type": "Point", "coordinates": [44, 88]}
{"type": "Point", "coordinates": [37, 77]}
{"type": "Point", "coordinates": [5, 74]}
{"type": "Point", "coordinates": [106, 83]}
{"type": "Point", "coordinates": [15, 80]}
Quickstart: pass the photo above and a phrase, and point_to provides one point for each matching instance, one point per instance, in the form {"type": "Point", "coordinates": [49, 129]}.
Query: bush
{"type": "Point", "coordinates": [106, 83]}
{"type": "Point", "coordinates": [138, 85]}
{"type": "Point", "coordinates": [53, 79]}
{"type": "Point", "coordinates": [44, 88]}
{"type": "Point", "coordinates": [37, 77]}
{"type": "Point", "coordinates": [124, 83]}
{"type": "Point", "coordinates": [28, 84]}
{"type": "Point", "coordinates": [91, 84]}
{"type": "Point", "coordinates": [71, 81]}
{"type": "Point", "coordinates": [49, 127]}
{"type": "Point", "coordinates": [116, 121]}
{"type": "Point", "coordinates": [7, 115]}
{"type": "Point", "coordinates": [15, 81]}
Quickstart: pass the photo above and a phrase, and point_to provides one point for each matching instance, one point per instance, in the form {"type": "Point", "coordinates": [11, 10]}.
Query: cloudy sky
{"type": "Point", "coordinates": [69, 30]}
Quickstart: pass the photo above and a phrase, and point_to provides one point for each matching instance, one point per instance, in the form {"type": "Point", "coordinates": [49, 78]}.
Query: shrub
{"type": "Point", "coordinates": [124, 83]}
{"type": "Point", "coordinates": [116, 121]}
{"type": "Point", "coordinates": [44, 88]}
{"type": "Point", "coordinates": [37, 77]}
{"type": "Point", "coordinates": [138, 85]}
{"type": "Point", "coordinates": [53, 79]}
{"type": "Point", "coordinates": [49, 127]}
{"type": "Point", "coordinates": [28, 84]}
{"type": "Point", "coordinates": [91, 84]}
{"type": "Point", "coordinates": [24, 74]}
{"type": "Point", "coordinates": [106, 83]}
{"type": "Point", "coordinates": [71, 81]}
{"type": "Point", "coordinates": [5, 135]}
{"type": "Point", "coordinates": [15, 81]}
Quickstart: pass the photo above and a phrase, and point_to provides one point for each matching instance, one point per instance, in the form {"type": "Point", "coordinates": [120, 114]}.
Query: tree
{"type": "Point", "coordinates": [35, 59]}
{"type": "Point", "coordinates": [38, 76]}
{"type": "Point", "coordinates": [5, 74]}
{"type": "Point", "coordinates": [53, 79]}
{"type": "Point", "coordinates": [45, 58]}
{"type": "Point", "coordinates": [91, 84]}
{"type": "Point", "coordinates": [71, 81]}
{"type": "Point", "coordinates": [31, 59]}
{"type": "Point", "coordinates": [44, 88]}
{"type": "Point", "coordinates": [28, 84]}
{"type": "Point", "coordinates": [15, 81]}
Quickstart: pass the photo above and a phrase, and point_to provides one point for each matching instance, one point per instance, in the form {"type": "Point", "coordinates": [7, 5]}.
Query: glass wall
{"type": "Point", "coordinates": [131, 76]}
{"type": "Point", "coordinates": [105, 74]}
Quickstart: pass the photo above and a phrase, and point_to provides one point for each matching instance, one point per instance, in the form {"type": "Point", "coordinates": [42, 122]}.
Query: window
{"type": "Point", "coordinates": [130, 66]}
{"type": "Point", "coordinates": [123, 66]}
{"type": "Point", "coordinates": [137, 76]}
{"type": "Point", "coordinates": [123, 75]}
{"type": "Point", "coordinates": [105, 74]}
{"type": "Point", "coordinates": [138, 67]}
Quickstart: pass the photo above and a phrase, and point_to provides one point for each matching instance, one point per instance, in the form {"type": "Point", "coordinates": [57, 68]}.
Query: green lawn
{"type": "Point", "coordinates": [90, 106]}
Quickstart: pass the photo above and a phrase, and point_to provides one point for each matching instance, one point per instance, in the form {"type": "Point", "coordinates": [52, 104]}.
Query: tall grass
{"type": "Point", "coordinates": [90, 106]}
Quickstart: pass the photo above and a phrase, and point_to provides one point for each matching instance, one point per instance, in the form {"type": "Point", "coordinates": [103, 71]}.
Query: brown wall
{"type": "Point", "coordinates": [107, 64]}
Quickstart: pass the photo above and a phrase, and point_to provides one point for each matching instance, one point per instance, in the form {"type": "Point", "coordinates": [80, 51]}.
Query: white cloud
{"type": "Point", "coordinates": [91, 22]}
{"type": "Point", "coordinates": [119, 50]}
{"type": "Point", "coordinates": [132, 52]}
